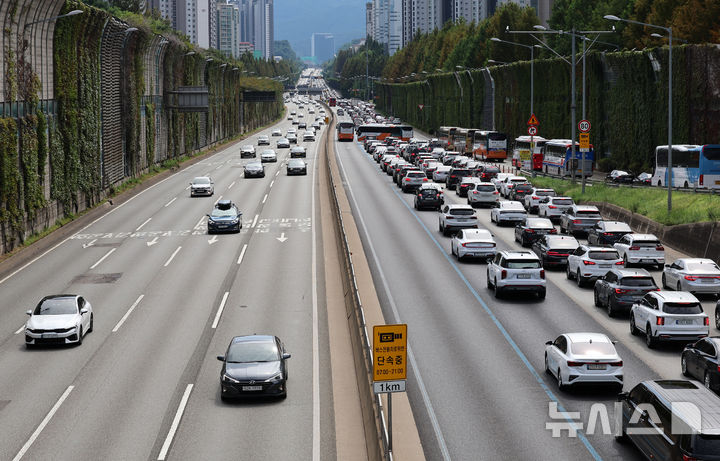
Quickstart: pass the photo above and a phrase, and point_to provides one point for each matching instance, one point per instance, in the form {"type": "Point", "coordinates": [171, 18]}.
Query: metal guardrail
{"type": "Point", "coordinates": [359, 317]}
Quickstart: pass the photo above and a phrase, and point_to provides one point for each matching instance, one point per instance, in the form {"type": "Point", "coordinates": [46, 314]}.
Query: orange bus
{"type": "Point", "coordinates": [490, 146]}
{"type": "Point", "coordinates": [345, 131]}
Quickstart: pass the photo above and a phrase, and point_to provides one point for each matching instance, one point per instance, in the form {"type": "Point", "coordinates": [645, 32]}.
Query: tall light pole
{"type": "Point", "coordinates": [612, 17]}
{"type": "Point", "coordinates": [532, 68]}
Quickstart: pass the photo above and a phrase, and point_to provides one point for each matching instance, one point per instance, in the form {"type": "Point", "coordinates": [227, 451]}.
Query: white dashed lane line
{"type": "Point", "coordinates": [103, 258]}
{"type": "Point", "coordinates": [170, 202]}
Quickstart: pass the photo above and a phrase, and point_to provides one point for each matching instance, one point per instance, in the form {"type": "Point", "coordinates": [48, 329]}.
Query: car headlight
{"type": "Point", "coordinates": [234, 221]}
{"type": "Point", "coordinates": [274, 379]}
{"type": "Point", "coordinates": [229, 379]}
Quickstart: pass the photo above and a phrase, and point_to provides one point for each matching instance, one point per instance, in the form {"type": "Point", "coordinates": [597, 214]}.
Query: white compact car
{"type": "Point", "coordinates": [644, 249]}
{"type": "Point", "coordinates": [554, 207]}
{"type": "Point", "coordinates": [575, 358]}
{"type": "Point", "coordinates": [516, 271]}
{"type": "Point", "coordinates": [59, 319]}
{"type": "Point", "coordinates": [263, 140]}
{"type": "Point", "coordinates": [669, 316]}
{"type": "Point", "coordinates": [473, 243]}
{"type": "Point", "coordinates": [696, 275]}
{"type": "Point", "coordinates": [202, 185]}
{"type": "Point", "coordinates": [588, 263]}
{"type": "Point", "coordinates": [509, 211]}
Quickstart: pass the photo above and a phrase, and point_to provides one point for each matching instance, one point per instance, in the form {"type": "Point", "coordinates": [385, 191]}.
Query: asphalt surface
{"type": "Point", "coordinates": [477, 385]}
{"type": "Point", "coordinates": [145, 383]}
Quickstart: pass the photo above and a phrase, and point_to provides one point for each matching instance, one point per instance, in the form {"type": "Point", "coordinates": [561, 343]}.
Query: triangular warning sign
{"type": "Point", "coordinates": [533, 120]}
{"type": "Point", "coordinates": [420, 106]}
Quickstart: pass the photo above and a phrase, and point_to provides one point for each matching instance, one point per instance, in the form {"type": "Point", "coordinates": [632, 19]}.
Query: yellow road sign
{"type": "Point", "coordinates": [389, 352]}
{"type": "Point", "coordinates": [584, 140]}
{"type": "Point", "coordinates": [327, 120]}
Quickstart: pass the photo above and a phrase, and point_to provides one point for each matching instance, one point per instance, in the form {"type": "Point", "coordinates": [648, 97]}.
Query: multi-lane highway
{"type": "Point", "coordinates": [167, 299]}
{"type": "Point", "coordinates": [478, 388]}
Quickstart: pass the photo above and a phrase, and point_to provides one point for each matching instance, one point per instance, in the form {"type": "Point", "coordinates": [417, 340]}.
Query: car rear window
{"type": "Point", "coordinates": [429, 192]}
{"type": "Point", "coordinates": [523, 188]}
{"type": "Point", "coordinates": [645, 243]}
{"type": "Point", "coordinates": [462, 171]}
{"type": "Point", "coordinates": [587, 213]}
{"type": "Point", "coordinates": [592, 349]}
{"type": "Point", "coordinates": [545, 193]}
{"type": "Point", "coordinates": [522, 264]}
{"type": "Point", "coordinates": [417, 174]}
{"type": "Point", "coordinates": [682, 308]}
{"type": "Point", "coordinates": [706, 445]}
{"type": "Point", "coordinates": [637, 282]}
{"type": "Point", "coordinates": [485, 188]}
{"type": "Point", "coordinates": [462, 212]}
{"type": "Point", "coordinates": [563, 201]}
{"type": "Point", "coordinates": [492, 170]}
{"type": "Point", "coordinates": [604, 255]}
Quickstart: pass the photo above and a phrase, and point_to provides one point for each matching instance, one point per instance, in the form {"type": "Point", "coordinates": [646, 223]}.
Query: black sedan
{"type": "Point", "coordinates": [620, 177]}
{"type": "Point", "coordinates": [225, 217]}
{"type": "Point", "coordinates": [254, 365]}
{"type": "Point", "coordinates": [296, 166]}
{"type": "Point", "coordinates": [254, 170]}
{"type": "Point", "coordinates": [607, 232]}
{"type": "Point", "coordinates": [554, 250]}
{"type": "Point", "coordinates": [533, 229]}
{"type": "Point", "coordinates": [619, 289]}
{"type": "Point", "coordinates": [700, 361]}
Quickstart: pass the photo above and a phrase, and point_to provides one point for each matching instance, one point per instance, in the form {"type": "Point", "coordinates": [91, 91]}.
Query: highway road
{"type": "Point", "coordinates": [477, 384]}
{"type": "Point", "coordinates": [167, 299]}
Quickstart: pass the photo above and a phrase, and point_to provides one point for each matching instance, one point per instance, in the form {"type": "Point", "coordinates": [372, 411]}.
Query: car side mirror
{"type": "Point", "coordinates": [84, 310]}
{"type": "Point", "coordinates": [667, 265]}
{"type": "Point", "coordinates": [622, 396]}
{"type": "Point", "coordinates": [207, 215]}
{"type": "Point", "coordinates": [286, 356]}
{"type": "Point", "coordinates": [548, 343]}
{"type": "Point", "coordinates": [28, 312]}
{"type": "Point", "coordinates": [221, 358]}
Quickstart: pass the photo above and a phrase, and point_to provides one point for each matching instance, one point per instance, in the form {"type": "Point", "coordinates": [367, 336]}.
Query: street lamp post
{"type": "Point", "coordinates": [532, 68]}
{"type": "Point", "coordinates": [670, 112]}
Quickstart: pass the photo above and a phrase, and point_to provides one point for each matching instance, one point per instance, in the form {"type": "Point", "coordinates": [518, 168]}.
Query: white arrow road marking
{"type": "Point", "coordinates": [213, 240]}
{"type": "Point", "coordinates": [152, 242]}
{"type": "Point", "coordinates": [170, 202]}
{"type": "Point", "coordinates": [44, 423]}
{"type": "Point", "coordinates": [143, 224]}
{"type": "Point", "coordinates": [282, 238]}
{"type": "Point", "coordinates": [89, 244]}
{"type": "Point", "coordinates": [103, 258]}
{"type": "Point", "coordinates": [199, 223]}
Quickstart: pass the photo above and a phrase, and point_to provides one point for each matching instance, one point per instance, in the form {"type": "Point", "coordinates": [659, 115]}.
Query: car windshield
{"type": "Point", "coordinates": [296, 162]}
{"type": "Point", "coordinates": [201, 181]}
{"type": "Point", "coordinates": [604, 255]}
{"type": "Point", "coordinates": [252, 351]}
{"type": "Point", "coordinates": [592, 349]}
{"type": "Point", "coordinates": [218, 213]}
{"type": "Point", "coordinates": [682, 308]}
{"type": "Point", "coordinates": [57, 306]}
{"type": "Point", "coordinates": [462, 212]}
{"type": "Point", "coordinates": [522, 264]}
{"type": "Point", "coordinates": [637, 282]}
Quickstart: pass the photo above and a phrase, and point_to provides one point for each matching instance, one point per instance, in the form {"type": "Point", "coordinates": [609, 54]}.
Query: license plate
{"type": "Point", "coordinates": [49, 335]}
{"type": "Point", "coordinates": [684, 322]}
{"type": "Point", "coordinates": [647, 261]}
{"type": "Point", "coordinates": [597, 366]}
{"type": "Point", "coordinates": [523, 276]}
{"type": "Point", "coordinates": [605, 266]}
{"type": "Point", "coordinates": [252, 388]}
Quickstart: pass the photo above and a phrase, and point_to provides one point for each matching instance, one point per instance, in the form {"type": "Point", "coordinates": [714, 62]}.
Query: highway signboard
{"type": "Point", "coordinates": [389, 352]}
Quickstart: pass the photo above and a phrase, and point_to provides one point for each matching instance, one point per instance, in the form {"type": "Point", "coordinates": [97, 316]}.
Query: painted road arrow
{"type": "Point", "coordinates": [152, 242]}
{"type": "Point", "coordinates": [89, 244]}
{"type": "Point", "coordinates": [213, 240]}
{"type": "Point", "coordinates": [282, 237]}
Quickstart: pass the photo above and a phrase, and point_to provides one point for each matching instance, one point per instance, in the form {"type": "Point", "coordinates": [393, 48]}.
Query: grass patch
{"type": "Point", "coordinates": [651, 202]}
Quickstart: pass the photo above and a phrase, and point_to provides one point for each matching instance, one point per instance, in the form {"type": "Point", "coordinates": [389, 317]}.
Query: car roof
{"type": "Point", "coordinates": [558, 197]}
{"type": "Point", "coordinates": [457, 206]}
{"type": "Point", "coordinates": [587, 337]}
{"type": "Point", "coordinates": [252, 338]}
{"type": "Point", "coordinates": [511, 204]}
{"type": "Point", "coordinates": [707, 420]}
{"type": "Point", "coordinates": [605, 249]}
{"type": "Point", "coordinates": [675, 296]}
{"type": "Point", "coordinates": [697, 260]}
{"type": "Point", "coordinates": [643, 236]}
{"type": "Point", "coordinates": [519, 254]}
{"type": "Point", "coordinates": [586, 208]}
{"type": "Point", "coordinates": [625, 272]}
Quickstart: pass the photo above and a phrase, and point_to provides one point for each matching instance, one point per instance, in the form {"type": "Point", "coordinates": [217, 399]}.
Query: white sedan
{"type": "Point", "coordinates": [473, 243]}
{"type": "Point", "coordinates": [696, 275]}
{"type": "Point", "coordinates": [575, 358]}
{"type": "Point", "coordinates": [276, 132]}
{"type": "Point", "coordinates": [59, 319]}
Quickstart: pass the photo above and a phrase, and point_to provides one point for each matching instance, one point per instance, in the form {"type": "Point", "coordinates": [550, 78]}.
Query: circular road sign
{"type": "Point", "coordinates": [532, 130]}
{"type": "Point", "coordinates": [584, 126]}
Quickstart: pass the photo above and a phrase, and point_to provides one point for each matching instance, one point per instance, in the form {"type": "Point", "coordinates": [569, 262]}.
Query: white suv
{"type": "Point", "coordinates": [554, 207]}
{"type": "Point", "coordinates": [484, 193]}
{"type": "Point", "coordinates": [510, 182]}
{"type": "Point", "coordinates": [532, 200]}
{"type": "Point", "coordinates": [454, 217]}
{"type": "Point", "coordinates": [588, 263]}
{"type": "Point", "coordinates": [669, 315]}
{"type": "Point", "coordinates": [643, 249]}
{"type": "Point", "coordinates": [513, 271]}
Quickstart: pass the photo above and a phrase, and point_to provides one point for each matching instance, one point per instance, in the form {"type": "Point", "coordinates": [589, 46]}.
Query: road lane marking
{"type": "Point", "coordinates": [19, 330]}
{"type": "Point", "coordinates": [272, 182]}
{"type": "Point", "coordinates": [255, 220]}
{"type": "Point", "coordinates": [242, 254]}
{"type": "Point", "coordinates": [231, 184]}
{"type": "Point", "coordinates": [218, 199]}
{"type": "Point", "coordinates": [44, 423]}
{"type": "Point", "coordinates": [89, 244]}
{"type": "Point", "coordinates": [103, 258]}
{"type": "Point", "coordinates": [127, 314]}
{"type": "Point", "coordinates": [143, 224]}
{"type": "Point", "coordinates": [265, 198]}
{"type": "Point", "coordinates": [167, 263]}
{"type": "Point", "coordinates": [220, 310]}
{"type": "Point", "coordinates": [521, 355]}
{"type": "Point", "coordinates": [220, 166]}
{"type": "Point", "coordinates": [170, 202]}
{"type": "Point", "coordinates": [188, 187]}
{"type": "Point", "coordinates": [315, 340]}
{"type": "Point", "coordinates": [175, 423]}
{"type": "Point", "coordinates": [199, 222]}
{"type": "Point", "coordinates": [277, 173]}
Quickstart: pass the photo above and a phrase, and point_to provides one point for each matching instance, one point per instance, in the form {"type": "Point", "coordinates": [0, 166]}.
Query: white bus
{"type": "Point", "coordinates": [693, 166]}
{"type": "Point", "coordinates": [557, 156]}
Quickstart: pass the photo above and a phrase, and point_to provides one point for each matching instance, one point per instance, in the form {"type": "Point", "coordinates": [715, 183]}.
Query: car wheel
{"type": "Point", "coordinates": [561, 385]}
{"type": "Point", "coordinates": [568, 272]}
{"type": "Point", "coordinates": [622, 438]}
{"type": "Point", "coordinates": [610, 309]}
{"type": "Point", "coordinates": [626, 263]}
{"type": "Point", "coordinates": [416, 205]}
{"type": "Point", "coordinates": [562, 229]}
{"type": "Point", "coordinates": [596, 299]}
{"type": "Point", "coordinates": [717, 317]}
{"type": "Point", "coordinates": [80, 337]}
{"type": "Point", "coordinates": [633, 329]}
{"type": "Point", "coordinates": [706, 380]}
{"type": "Point", "coordinates": [489, 285]}
{"type": "Point", "coordinates": [440, 227]}
{"type": "Point", "coordinates": [649, 338]}
{"type": "Point", "coordinates": [542, 293]}
{"type": "Point", "coordinates": [580, 280]}
{"type": "Point", "coordinates": [90, 328]}
{"type": "Point", "coordinates": [683, 366]}
{"type": "Point", "coordinates": [663, 281]}
{"type": "Point", "coordinates": [498, 290]}
{"type": "Point", "coordinates": [547, 367]}
{"type": "Point", "coordinates": [678, 287]}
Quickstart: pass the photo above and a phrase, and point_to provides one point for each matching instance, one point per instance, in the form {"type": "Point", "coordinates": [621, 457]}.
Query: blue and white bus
{"type": "Point", "coordinates": [693, 166]}
{"type": "Point", "coordinates": [557, 158]}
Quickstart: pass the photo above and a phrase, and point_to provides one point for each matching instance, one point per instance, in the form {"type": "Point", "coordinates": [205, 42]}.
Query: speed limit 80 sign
{"type": "Point", "coordinates": [584, 126]}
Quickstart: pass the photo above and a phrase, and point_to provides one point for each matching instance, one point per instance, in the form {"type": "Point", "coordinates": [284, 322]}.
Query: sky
{"type": "Point", "coordinates": [297, 20]}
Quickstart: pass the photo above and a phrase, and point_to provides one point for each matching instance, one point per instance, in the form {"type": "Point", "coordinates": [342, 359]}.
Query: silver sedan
{"type": "Point", "coordinates": [696, 275]}
{"type": "Point", "coordinates": [473, 243]}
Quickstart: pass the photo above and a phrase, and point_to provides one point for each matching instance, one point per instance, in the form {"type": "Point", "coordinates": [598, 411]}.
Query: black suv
{"type": "Point", "coordinates": [455, 175]}
{"type": "Point", "coordinates": [607, 232]}
{"type": "Point", "coordinates": [428, 197]}
{"type": "Point", "coordinates": [554, 250]}
{"type": "Point", "coordinates": [486, 173]}
{"type": "Point", "coordinates": [619, 289]}
{"type": "Point", "coordinates": [520, 191]}
{"type": "Point", "coordinates": [671, 420]}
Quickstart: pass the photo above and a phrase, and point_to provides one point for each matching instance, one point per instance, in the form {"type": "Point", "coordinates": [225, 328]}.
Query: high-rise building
{"type": "Point", "coordinates": [257, 25]}
{"type": "Point", "coordinates": [197, 20]}
{"type": "Point", "coordinates": [395, 26]}
{"type": "Point", "coordinates": [322, 47]}
{"type": "Point", "coordinates": [369, 23]}
{"type": "Point", "coordinates": [228, 29]}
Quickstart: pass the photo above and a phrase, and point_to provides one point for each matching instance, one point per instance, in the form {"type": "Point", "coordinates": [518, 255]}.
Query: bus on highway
{"type": "Point", "coordinates": [693, 166]}
{"type": "Point", "coordinates": [490, 146]}
{"type": "Point", "coordinates": [345, 131]}
{"type": "Point", "coordinates": [526, 157]}
{"type": "Point", "coordinates": [557, 156]}
{"type": "Point", "coordinates": [447, 136]}
{"type": "Point", "coordinates": [332, 102]}
{"type": "Point", "coordinates": [381, 131]}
